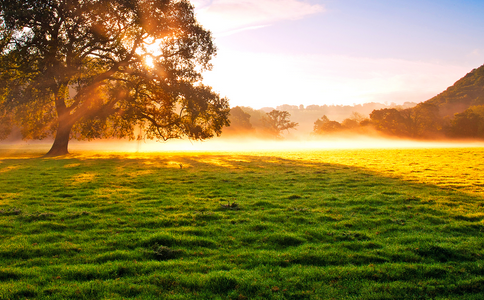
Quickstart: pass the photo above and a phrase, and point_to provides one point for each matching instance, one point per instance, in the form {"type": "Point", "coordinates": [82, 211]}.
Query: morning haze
{"type": "Point", "coordinates": [221, 149]}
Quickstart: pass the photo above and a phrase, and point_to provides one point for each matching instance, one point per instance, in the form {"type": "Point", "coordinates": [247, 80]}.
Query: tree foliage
{"type": "Point", "coordinates": [387, 120]}
{"type": "Point", "coordinates": [277, 121]}
{"type": "Point", "coordinates": [257, 117]}
{"type": "Point", "coordinates": [421, 121]}
{"type": "Point", "coordinates": [239, 121]}
{"type": "Point", "coordinates": [324, 126]}
{"type": "Point", "coordinates": [91, 69]}
{"type": "Point", "coordinates": [469, 123]}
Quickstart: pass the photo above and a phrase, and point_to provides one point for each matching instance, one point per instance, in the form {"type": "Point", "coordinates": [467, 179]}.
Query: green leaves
{"type": "Point", "coordinates": [81, 65]}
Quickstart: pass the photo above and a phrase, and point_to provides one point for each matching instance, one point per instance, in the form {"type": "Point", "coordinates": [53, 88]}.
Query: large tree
{"type": "Point", "coordinates": [90, 69]}
{"type": "Point", "coordinates": [421, 121]}
{"type": "Point", "coordinates": [277, 121]}
{"type": "Point", "coordinates": [388, 120]}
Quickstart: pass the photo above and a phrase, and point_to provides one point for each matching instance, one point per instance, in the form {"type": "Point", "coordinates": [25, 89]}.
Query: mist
{"type": "Point", "coordinates": [240, 144]}
{"type": "Point", "coordinates": [255, 144]}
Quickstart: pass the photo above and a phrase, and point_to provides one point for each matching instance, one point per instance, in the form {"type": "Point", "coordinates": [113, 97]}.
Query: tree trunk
{"type": "Point", "coordinates": [61, 140]}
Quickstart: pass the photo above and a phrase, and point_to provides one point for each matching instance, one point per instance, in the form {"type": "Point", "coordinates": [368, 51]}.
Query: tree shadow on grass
{"type": "Point", "coordinates": [293, 212]}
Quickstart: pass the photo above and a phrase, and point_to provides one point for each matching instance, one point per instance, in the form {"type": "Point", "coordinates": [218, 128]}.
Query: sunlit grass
{"type": "Point", "coordinates": [343, 224]}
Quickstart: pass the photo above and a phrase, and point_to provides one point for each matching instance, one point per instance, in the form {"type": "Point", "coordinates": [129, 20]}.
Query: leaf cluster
{"type": "Point", "coordinates": [82, 65]}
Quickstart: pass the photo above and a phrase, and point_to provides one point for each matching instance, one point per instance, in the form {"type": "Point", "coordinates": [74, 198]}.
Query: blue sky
{"type": "Point", "coordinates": [273, 52]}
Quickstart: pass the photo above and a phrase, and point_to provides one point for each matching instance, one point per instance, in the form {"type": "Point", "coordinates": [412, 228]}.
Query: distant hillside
{"type": "Point", "coordinates": [457, 113]}
{"type": "Point", "coordinates": [467, 91]}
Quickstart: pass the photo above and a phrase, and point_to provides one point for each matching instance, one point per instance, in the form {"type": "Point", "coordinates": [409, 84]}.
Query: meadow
{"type": "Point", "coordinates": [332, 224]}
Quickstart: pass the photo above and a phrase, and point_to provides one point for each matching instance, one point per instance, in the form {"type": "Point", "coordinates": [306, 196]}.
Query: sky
{"type": "Point", "coordinates": [340, 52]}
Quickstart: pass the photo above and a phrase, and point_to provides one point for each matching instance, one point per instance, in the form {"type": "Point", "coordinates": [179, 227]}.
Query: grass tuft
{"type": "Point", "coordinates": [346, 224]}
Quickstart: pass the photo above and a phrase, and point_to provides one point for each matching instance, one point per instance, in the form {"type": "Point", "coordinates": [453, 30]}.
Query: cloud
{"type": "Point", "coordinates": [225, 17]}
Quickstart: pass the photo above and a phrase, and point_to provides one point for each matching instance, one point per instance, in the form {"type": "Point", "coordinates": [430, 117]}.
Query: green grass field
{"type": "Point", "coordinates": [335, 224]}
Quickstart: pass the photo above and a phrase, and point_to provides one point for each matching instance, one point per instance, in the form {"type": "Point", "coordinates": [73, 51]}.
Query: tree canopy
{"type": "Point", "coordinates": [239, 121]}
{"type": "Point", "coordinates": [277, 121]}
{"type": "Point", "coordinates": [324, 125]}
{"type": "Point", "coordinates": [91, 69]}
{"type": "Point", "coordinates": [468, 124]}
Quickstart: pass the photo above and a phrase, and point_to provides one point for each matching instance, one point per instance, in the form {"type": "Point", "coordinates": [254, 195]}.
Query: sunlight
{"type": "Point", "coordinates": [217, 162]}
{"type": "Point", "coordinates": [110, 147]}
{"type": "Point", "coordinates": [251, 145]}
{"type": "Point", "coordinates": [9, 168]}
{"type": "Point", "coordinates": [325, 79]}
{"type": "Point", "coordinates": [149, 62]}
{"type": "Point", "coordinates": [82, 178]}
{"type": "Point", "coordinates": [149, 51]}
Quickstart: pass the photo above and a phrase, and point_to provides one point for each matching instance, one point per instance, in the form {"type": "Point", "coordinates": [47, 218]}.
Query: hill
{"type": "Point", "coordinates": [466, 92]}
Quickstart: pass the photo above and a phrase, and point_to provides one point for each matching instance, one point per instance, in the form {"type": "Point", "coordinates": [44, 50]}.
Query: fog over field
{"type": "Point", "coordinates": [240, 144]}
{"type": "Point", "coordinates": [254, 149]}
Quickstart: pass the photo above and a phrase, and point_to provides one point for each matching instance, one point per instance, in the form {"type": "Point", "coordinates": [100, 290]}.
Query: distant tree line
{"type": "Point", "coordinates": [457, 112]}
{"type": "Point", "coordinates": [420, 122]}
{"type": "Point", "coordinates": [424, 121]}
{"type": "Point", "coordinates": [246, 120]}
{"type": "Point", "coordinates": [364, 108]}
{"type": "Point", "coordinates": [326, 126]}
{"type": "Point", "coordinates": [303, 113]}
